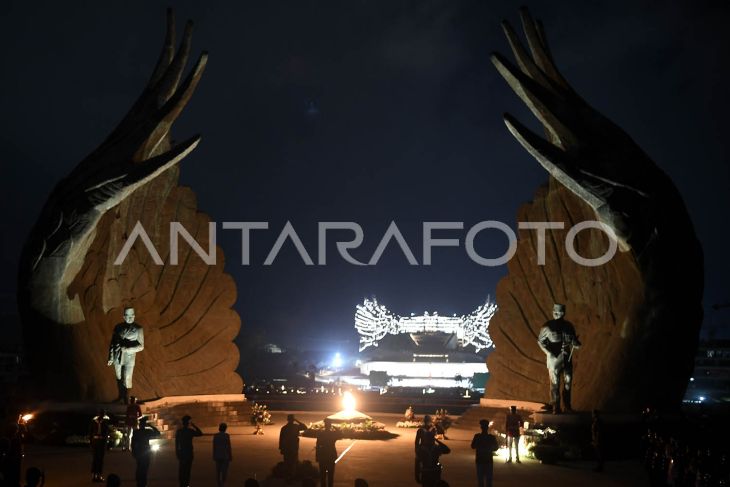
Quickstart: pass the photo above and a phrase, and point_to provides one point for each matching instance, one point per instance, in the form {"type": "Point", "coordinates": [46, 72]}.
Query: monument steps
{"type": "Point", "coordinates": [166, 415]}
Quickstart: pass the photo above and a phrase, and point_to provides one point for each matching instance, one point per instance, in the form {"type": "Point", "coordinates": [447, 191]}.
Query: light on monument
{"type": "Point", "coordinates": [348, 402]}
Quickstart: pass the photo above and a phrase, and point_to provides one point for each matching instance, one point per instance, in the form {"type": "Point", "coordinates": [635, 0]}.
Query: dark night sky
{"type": "Point", "coordinates": [407, 128]}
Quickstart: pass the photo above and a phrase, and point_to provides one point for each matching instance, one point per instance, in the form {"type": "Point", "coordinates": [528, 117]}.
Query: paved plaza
{"type": "Point", "coordinates": [381, 463]}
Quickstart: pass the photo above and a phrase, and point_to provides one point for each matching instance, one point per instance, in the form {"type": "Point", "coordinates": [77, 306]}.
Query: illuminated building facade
{"type": "Point", "coordinates": [426, 350]}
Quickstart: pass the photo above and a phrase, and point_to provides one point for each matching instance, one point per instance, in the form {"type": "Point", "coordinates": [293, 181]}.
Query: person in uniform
{"type": "Point", "coordinates": [289, 444]}
{"type": "Point", "coordinates": [141, 450]}
{"type": "Point", "coordinates": [485, 445]}
{"type": "Point", "coordinates": [512, 427]}
{"type": "Point", "coordinates": [557, 339]}
{"type": "Point", "coordinates": [184, 449]}
{"type": "Point", "coordinates": [98, 437]}
{"type": "Point", "coordinates": [326, 453]}
{"type": "Point", "coordinates": [424, 435]}
{"type": "Point", "coordinates": [431, 451]}
{"type": "Point", "coordinates": [222, 454]}
{"type": "Point", "coordinates": [131, 421]}
{"type": "Point", "coordinates": [127, 340]}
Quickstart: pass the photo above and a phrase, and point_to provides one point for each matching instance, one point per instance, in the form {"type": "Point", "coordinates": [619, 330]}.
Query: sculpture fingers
{"type": "Point", "coordinates": [537, 42]}
{"type": "Point", "coordinates": [144, 172]}
{"type": "Point", "coordinates": [162, 84]}
{"type": "Point", "coordinates": [524, 61]}
{"type": "Point", "coordinates": [168, 51]}
{"type": "Point", "coordinates": [547, 106]}
{"type": "Point", "coordinates": [168, 83]}
{"type": "Point", "coordinates": [554, 160]}
{"type": "Point", "coordinates": [161, 122]}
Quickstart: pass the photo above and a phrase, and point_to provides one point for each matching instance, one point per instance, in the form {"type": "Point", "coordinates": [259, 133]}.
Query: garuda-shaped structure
{"type": "Point", "coordinates": [374, 321]}
{"type": "Point", "coordinates": [639, 315]}
{"type": "Point", "coordinates": [71, 294]}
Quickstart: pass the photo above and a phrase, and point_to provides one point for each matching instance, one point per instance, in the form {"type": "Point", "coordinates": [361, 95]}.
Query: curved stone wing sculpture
{"type": "Point", "coordinates": [70, 292]}
{"type": "Point", "coordinates": [639, 315]}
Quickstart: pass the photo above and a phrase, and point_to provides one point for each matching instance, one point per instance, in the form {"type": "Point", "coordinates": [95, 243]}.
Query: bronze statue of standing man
{"type": "Point", "coordinates": [558, 339]}
{"type": "Point", "coordinates": [127, 340]}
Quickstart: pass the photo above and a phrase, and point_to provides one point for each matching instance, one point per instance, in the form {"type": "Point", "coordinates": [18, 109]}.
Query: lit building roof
{"type": "Point", "coordinates": [374, 321]}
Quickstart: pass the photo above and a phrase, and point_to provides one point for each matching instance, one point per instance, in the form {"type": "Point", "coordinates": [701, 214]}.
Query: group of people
{"type": "Point", "coordinates": [429, 449]}
{"type": "Point", "coordinates": [557, 339]}
{"type": "Point", "coordinates": [676, 462]}
{"type": "Point", "coordinates": [137, 437]}
{"type": "Point", "coordinates": [325, 449]}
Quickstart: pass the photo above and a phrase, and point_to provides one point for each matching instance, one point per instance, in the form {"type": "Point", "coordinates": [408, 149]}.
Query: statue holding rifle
{"type": "Point", "coordinates": [558, 340]}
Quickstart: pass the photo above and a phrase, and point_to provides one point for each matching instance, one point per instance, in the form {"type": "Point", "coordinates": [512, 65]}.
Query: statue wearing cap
{"type": "Point", "coordinates": [557, 339]}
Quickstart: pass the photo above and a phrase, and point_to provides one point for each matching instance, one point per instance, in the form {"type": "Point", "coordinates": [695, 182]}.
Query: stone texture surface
{"type": "Point", "coordinates": [639, 315]}
{"type": "Point", "coordinates": [185, 309]}
{"type": "Point", "coordinates": [70, 292]}
{"type": "Point", "coordinates": [638, 329]}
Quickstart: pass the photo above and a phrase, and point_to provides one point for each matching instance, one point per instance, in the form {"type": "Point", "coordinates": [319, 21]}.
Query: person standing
{"type": "Point", "coordinates": [431, 451]}
{"type": "Point", "coordinates": [222, 454]}
{"type": "Point", "coordinates": [12, 453]}
{"type": "Point", "coordinates": [424, 433]}
{"type": "Point", "coordinates": [141, 451]}
{"type": "Point", "coordinates": [514, 423]}
{"type": "Point", "coordinates": [289, 444]}
{"type": "Point", "coordinates": [557, 339]}
{"type": "Point", "coordinates": [127, 340]}
{"type": "Point", "coordinates": [184, 449]}
{"type": "Point", "coordinates": [326, 453]}
{"type": "Point", "coordinates": [485, 445]}
{"type": "Point", "coordinates": [98, 438]}
{"type": "Point", "coordinates": [131, 421]}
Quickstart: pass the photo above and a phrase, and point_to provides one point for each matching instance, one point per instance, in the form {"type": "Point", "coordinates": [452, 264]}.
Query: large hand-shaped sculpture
{"type": "Point", "coordinates": [70, 293]}
{"type": "Point", "coordinates": [626, 311]}
{"type": "Point", "coordinates": [130, 157]}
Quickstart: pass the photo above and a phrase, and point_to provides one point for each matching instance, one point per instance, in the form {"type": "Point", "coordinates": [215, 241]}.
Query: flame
{"type": "Point", "coordinates": [348, 402]}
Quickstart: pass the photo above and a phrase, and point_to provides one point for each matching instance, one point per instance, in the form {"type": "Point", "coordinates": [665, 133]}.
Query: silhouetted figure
{"type": "Point", "coordinates": [127, 340]}
{"type": "Point", "coordinates": [251, 483]}
{"type": "Point", "coordinates": [513, 425]}
{"type": "Point", "coordinates": [142, 452]}
{"type": "Point", "coordinates": [131, 421]}
{"type": "Point", "coordinates": [289, 444]}
{"type": "Point", "coordinates": [361, 482]}
{"type": "Point", "coordinates": [597, 439]}
{"type": "Point", "coordinates": [431, 451]}
{"type": "Point", "coordinates": [427, 431]}
{"type": "Point", "coordinates": [113, 480]}
{"type": "Point", "coordinates": [222, 454]}
{"type": "Point", "coordinates": [98, 437]}
{"type": "Point", "coordinates": [485, 445]}
{"type": "Point", "coordinates": [34, 477]}
{"type": "Point", "coordinates": [11, 454]}
{"type": "Point", "coordinates": [184, 449]}
{"type": "Point", "coordinates": [326, 454]}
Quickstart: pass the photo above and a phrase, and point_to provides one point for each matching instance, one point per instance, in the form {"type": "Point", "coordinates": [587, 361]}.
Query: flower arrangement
{"type": "Point", "coordinates": [367, 429]}
{"type": "Point", "coordinates": [260, 416]}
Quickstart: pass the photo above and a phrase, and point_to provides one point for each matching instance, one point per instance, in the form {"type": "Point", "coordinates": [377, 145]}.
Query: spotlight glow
{"type": "Point", "coordinates": [348, 402]}
{"type": "Point", "coordinates": [26, 417]}
{"type": "Point", "coordinates": [155, 447]}
{"type": "Point", "coordinates": [337, 361]}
